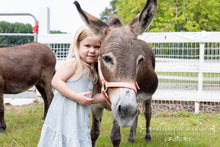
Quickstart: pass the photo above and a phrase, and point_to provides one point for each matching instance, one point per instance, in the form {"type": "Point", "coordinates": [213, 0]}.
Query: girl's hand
{"type": "Point", "coordinates": [83, 100]}
{"type": "Point", "coordinates": [99, 98]}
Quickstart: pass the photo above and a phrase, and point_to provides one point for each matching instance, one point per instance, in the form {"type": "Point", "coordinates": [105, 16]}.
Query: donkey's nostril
{"type": "Point", "coordinates": [123, 110]}
{"type": "Point", "coordinates": [119, 108]}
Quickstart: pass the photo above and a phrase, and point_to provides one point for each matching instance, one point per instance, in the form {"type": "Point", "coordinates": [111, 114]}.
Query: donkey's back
{"type": "Point", "coordinates": [24, 66]}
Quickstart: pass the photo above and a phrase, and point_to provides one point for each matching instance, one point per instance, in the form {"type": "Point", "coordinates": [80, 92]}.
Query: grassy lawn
{"type": "Point", "coordinates": [181, 129]}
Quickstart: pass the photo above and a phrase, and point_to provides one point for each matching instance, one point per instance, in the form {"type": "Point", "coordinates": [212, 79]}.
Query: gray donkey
{"type": "Point", "coordinates": [126, 71]}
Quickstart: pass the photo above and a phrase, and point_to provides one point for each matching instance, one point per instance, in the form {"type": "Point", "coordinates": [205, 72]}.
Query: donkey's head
{"type": "Point", "coordinates": [121, 57]}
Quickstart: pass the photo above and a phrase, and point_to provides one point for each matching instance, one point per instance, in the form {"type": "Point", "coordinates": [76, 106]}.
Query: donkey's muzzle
{"type": "Point", "coordinates": [124, 111]}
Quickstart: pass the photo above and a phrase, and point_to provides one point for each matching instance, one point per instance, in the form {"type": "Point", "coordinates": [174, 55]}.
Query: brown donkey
{"type": "Point", "coordinates": [22, 67]}
{"type": "Point", "coordinates": [126, 69]}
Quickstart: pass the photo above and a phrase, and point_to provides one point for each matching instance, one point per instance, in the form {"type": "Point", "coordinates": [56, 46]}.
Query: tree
{"type": "Point", "coordinates": [56, 32]}
{"type": "Point", "coordinates": [173, 15]}
{"type": "Point", "coordinates": [6, 27]}
{"type": "Point", "coordinates": [108, 12]}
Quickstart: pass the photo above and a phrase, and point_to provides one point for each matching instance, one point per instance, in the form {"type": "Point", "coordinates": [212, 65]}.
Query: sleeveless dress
{"type": "Point", "coordinates": [67, 123]}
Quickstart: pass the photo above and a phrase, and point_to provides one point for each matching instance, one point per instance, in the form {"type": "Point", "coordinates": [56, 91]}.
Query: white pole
{"type": "Point", "coordinates": [200, 76]}
{"type": "Point", "coordinates": [44, 21]}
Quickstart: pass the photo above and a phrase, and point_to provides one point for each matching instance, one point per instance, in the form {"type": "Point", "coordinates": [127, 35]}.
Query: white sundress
{"type": "Point", "coordinates": [67, 123]}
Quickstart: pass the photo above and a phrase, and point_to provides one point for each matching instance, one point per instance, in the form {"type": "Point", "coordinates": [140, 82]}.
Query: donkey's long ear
{"type": "Point", "coordinates": [95, 24]}
{"type": "Point", "coordinates": [140, 23]}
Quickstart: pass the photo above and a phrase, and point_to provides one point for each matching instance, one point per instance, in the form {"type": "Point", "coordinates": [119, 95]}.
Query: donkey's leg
{"type": "Point", "coordinates": [115, 134]}
{"type": "Point", "coordinates": [132, 134]}
{"type": "Point", "coordinates": [96, 123]}
{"type": "Point", "coordinates": [2, 118]}
{"type": "Point", "coordinates": [43, 94]}
{"type": "Point", "coordinates": [147, 114]}
{"type": "Point", "coordinates": [45, 89]}
{"type": "Point", "coordinates": [49, 95]}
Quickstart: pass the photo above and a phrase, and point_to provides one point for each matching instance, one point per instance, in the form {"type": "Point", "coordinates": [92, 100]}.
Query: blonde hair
{"type": "Point", "coordinates": [80, 35]}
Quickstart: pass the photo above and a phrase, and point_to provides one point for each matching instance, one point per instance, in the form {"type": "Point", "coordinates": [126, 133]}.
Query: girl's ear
{"type": "Point", "coordinates": [96, 25]}
{"type": "Point", "coordinates": [143, 20]}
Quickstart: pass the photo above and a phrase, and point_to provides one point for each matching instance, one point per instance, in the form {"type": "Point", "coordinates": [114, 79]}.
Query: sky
{"type": "Point", "coordinates": [63, 14]}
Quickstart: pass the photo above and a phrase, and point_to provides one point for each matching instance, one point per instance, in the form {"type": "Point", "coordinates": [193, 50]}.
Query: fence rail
{"type": "Point", "coordinates": [12, 39]}
{"type": "Point", "coordinates": [187, 64]}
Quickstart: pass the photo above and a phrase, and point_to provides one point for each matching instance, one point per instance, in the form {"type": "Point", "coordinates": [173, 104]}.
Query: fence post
{"type": "Point", "coordinates": [44, 21]}
{"type": "Point", "coordinates": [200, 74]}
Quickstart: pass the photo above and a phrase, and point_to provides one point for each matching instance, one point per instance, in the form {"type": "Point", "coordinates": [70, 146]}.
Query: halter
{"type": "Point", "coordinates": [106, 85]}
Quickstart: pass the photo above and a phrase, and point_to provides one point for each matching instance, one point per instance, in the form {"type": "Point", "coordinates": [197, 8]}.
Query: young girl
{"type": "Point", "coordinates": [67, 123]}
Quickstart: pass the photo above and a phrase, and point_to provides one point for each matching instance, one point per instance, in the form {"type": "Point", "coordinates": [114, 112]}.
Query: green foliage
{"type": "Point", "coordinates": [109, 11]}
{"type": "Point", "coordinates": [7, 41]}
{"type": "Point", "coordinates": [128, 9]}
{"type": "Point", "coordinates": [56, 32]}
{"type": "Point", "coordinates": [182, 113]}
{"type": "Point", "coordinates": [174, 15]}
{"type": "Point", "coordinates": [6, 27]}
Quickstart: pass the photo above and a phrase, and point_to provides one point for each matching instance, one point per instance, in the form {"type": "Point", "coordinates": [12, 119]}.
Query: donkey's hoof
{"type": "Point", "coordinates": [2, 130]}
{"type": "Point", "coordinates": [130, 141]}
{"type": "Point", "coordinates": [147, 138]}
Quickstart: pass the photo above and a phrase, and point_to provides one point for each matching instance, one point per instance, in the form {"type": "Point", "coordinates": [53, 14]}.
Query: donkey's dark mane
{"type": "Point", "coordinates": [114, 21]}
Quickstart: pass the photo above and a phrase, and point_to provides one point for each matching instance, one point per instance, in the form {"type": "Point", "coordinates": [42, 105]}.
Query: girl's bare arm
{"type": "Point", "coordinates": [59, 83]}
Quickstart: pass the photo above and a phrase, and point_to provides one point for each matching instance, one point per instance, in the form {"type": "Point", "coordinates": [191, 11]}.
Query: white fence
{"type": "Point", "coordinates": [12, 39]}
{"type": "Point", "coordinates": [187, 64]}
{"type": "Point", "coordinates": [59, 43]}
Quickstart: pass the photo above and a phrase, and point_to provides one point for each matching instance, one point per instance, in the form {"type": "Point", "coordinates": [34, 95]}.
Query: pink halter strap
{"type": "Point", "coordinates": [106, 85]}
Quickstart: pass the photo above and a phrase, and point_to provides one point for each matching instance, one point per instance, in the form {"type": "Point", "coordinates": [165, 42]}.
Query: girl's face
{"type": "Point", "coordinates": [89, 49]}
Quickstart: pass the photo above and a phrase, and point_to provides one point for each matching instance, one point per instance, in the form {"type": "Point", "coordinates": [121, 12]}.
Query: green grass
{"type": "Point", "coordinates": [181, 129]}
{"type": "Point", "coordinates": [23, 126]}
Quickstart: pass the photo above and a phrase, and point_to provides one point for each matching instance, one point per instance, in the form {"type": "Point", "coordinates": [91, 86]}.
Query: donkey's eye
{"type": "Point", "coordinates": [108, 59]}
